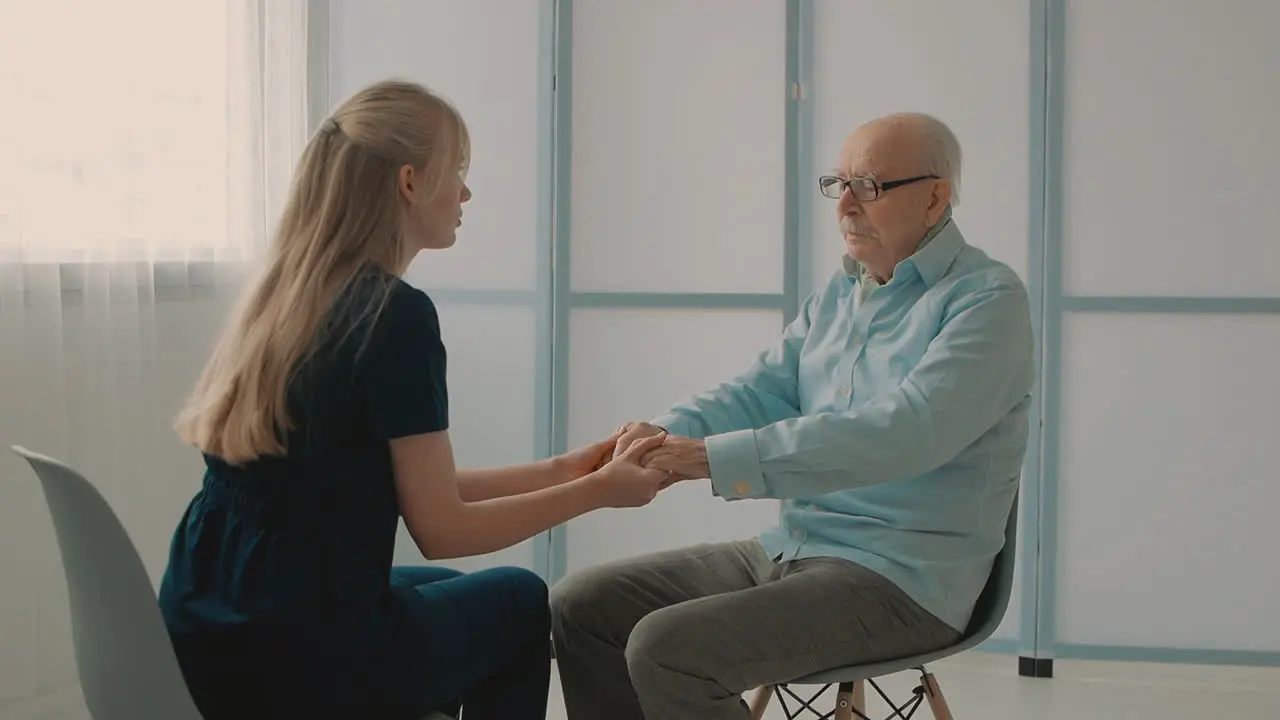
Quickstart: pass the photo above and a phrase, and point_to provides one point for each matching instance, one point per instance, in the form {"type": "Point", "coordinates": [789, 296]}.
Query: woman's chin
{"type": "Point", "coordinates": [444, 242]}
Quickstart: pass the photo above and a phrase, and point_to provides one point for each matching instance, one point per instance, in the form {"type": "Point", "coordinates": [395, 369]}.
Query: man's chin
{"type": "Point", "coordinates": [856, 248]}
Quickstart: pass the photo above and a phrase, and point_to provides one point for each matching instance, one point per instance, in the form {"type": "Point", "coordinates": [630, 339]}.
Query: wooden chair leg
{"type": "Point", "coordinates": [850, 697]}
{"type": "Point", "coordinates": [760, 701]}
{"type": "Point", "coordinates": [933, 693]}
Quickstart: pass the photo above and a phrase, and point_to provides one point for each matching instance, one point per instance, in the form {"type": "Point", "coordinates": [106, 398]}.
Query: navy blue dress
{"type": "Point", "coordinates": [280, 595]}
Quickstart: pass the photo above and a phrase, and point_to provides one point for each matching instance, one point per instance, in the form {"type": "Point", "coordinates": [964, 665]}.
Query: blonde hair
{"type": "Point", "coordinates": [342, 215]}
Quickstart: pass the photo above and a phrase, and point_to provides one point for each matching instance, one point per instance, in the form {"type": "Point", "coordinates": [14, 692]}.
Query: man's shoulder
{"type": "Point", "coordinates": [835, 286]}
{"type": "Point", "coordinates": [974, 271]}
{"type": "Point", "coordinates": [985, 295]}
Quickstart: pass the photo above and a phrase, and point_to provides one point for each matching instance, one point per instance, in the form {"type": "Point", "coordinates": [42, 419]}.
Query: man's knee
{"type": "Point", "coordinates": [576, 600]}
{"type": "Point", "coordinates": [665, 641]}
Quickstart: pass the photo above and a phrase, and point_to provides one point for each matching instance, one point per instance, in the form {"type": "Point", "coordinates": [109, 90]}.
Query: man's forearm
{"type": "Point", "coordinates": [727, 408]}
{"type": "Point", "coordinates": [490, 483]}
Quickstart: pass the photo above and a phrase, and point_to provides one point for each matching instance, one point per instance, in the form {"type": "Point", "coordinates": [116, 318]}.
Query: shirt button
{"type": "Point", "coordinates": [742, 488]}
{"type": "Point", "coordinates": [797, 534]}
{"type": "Point", "coordinates": [844, 390]}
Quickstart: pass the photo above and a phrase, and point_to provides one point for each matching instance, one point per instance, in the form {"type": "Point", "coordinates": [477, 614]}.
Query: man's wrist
{"type": "Point", "coordinates": [671, 423]}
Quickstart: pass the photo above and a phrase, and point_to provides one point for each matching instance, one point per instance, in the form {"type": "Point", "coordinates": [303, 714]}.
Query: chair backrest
{"type": "Point", "coordinates": [992, 604]}
{"type": "Point", "coordinates": [123, 652]}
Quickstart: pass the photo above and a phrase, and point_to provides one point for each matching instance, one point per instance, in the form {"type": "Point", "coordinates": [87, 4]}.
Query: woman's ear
{"type": "Point", "coordinates": [407, 183]}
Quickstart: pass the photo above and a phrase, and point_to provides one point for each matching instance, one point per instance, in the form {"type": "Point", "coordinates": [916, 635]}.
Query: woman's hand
{"type": "Point", "coordinates": [624, 483]}
{"type": "Point", "coordinates": [632, 432]}
{"type": "Point", "coordinates": [587, 459]}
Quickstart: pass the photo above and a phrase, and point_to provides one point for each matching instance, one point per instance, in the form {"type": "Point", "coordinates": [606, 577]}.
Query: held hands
{"type": "Point", "coordinates": [624, 483]}
{"type": "Point", "coordinates": [682, 458]}
{"type": "Point", "coordinates": [634, 464]}
{"type": "Point", "coordinates": [589, 458]}
{"type": "Point", "coordinates": [632, 432]}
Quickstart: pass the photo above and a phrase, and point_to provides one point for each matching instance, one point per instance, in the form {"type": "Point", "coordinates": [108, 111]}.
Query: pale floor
{"type": "Point", "coordinates": [987, 687]}
{"type": "Point", "coordinates": [979, 686]}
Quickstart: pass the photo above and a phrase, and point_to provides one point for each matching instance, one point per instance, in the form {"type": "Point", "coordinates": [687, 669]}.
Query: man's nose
{"type": "Point", "coordinates": [848, 204]}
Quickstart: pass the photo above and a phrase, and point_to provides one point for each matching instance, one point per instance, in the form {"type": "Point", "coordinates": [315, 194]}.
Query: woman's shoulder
{"type": "Point", "coordinates": [382, 300]}
{"type": "Point", "coordinates": [407, 298]}
{"type": "Point", "coordinates": [407, 309]}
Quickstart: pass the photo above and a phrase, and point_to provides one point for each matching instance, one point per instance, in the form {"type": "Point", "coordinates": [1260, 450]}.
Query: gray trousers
{"type": "Point", "coordinates": [680, 635]}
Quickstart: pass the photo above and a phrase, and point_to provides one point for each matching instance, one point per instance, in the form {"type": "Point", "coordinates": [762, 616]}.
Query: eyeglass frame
{"type": "Point", "coordinates": [880, 187]}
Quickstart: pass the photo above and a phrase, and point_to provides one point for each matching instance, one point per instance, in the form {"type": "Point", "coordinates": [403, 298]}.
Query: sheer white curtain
{"type": "Point", "coordinates": [145, 150]}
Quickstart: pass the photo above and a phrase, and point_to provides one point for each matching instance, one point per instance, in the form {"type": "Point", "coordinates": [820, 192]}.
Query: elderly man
{"type": "Point", "coordinates": [891, 420]}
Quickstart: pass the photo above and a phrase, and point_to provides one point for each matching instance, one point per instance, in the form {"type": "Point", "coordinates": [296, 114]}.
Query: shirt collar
{"type": "Point", "coordinates": [933, 256]}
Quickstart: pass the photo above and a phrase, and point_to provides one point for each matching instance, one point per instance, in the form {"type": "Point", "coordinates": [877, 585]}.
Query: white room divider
{"type": "Point", "coordinates": [646, 220]}
{"type": "Point", "coordinates": [1162, 332]}
{"type": "Point", "coordinates": [672, 244]}
{"type": "Point", "coordinates": [492, 59]}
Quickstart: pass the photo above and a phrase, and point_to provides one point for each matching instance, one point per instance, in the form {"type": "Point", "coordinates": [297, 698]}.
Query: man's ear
{"type": "Point", "coordinates": [939, 199]}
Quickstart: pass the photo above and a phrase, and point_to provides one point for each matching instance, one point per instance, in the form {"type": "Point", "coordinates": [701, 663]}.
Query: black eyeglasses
{"type": "Point", "coordinates": [865, 188]}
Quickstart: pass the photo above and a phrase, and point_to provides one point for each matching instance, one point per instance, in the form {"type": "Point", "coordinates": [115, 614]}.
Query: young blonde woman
{"type": "Point", "coordinates": [323, 420]}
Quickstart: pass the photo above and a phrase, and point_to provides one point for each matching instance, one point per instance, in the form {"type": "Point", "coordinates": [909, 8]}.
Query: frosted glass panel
{"type": "Point", "coordinates": [1165, 168]}
{"type": "Point", "coordinates": [491, 404]}
{"type": "Point", "coordinates": [632, 365]}
{"type": "Point", "coordinates": [1167, 491]}
{"type": "Point", "coordinates": [876, 58]}
{"type": "Point", "coordinates": [678, 145]}
{"type": "Point", "coordinates": [484, 56]}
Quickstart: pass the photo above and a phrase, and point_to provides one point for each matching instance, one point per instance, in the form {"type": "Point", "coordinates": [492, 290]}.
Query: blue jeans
{"type": "Point", "coordinates": [489, 640]}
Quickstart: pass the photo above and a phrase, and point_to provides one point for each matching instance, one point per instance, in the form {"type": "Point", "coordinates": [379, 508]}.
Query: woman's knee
{"type": "Point", "coordinates": [522, 591]}
{"type": "Point", "coordinates": [414, 575]}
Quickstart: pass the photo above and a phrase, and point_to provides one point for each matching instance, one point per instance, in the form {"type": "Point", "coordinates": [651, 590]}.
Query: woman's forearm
{"type": "Point", "coordinates": [491, 483]}
{"type": "Point", "coordinates": [491, 525]}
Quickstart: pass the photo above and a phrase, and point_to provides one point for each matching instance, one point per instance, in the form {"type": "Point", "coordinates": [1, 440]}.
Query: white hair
{"type": "Point", "coordinates": [943, 157]}
{"type": "Point", "coordinates": [941, 148]}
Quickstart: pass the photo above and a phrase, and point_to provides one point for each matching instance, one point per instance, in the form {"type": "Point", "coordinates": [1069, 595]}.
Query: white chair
{"type": "Point", "coordinates": [852, 681]}
{"type": "Point", "coordinates": [127, 667]}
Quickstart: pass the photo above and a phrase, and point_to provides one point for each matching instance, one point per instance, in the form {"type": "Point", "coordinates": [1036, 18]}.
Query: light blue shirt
{"type": "Point", "coordinates": [891, 421]}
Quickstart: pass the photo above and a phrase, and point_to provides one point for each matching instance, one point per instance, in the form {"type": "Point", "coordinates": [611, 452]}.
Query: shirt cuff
{"type": "Point", "coordinates": [735, 465]}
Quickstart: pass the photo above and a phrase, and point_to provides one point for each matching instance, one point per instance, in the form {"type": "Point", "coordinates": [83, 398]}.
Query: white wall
{"type": "Point", "coordinates": [1168, 482]}
{"type": "Point", "coordinates": [872, 59]}
{"type": "Point", "coordinates": [677, 186]}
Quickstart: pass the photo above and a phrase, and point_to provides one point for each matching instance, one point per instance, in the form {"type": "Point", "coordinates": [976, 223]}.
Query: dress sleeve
{"type": "Point", "coordinates": [402, 369]}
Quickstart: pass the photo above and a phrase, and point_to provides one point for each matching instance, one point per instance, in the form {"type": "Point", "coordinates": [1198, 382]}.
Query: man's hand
{"type": "Point", "coordinates": [632, 432]}
{"type": "Point", "coordinates": [683, 458]}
